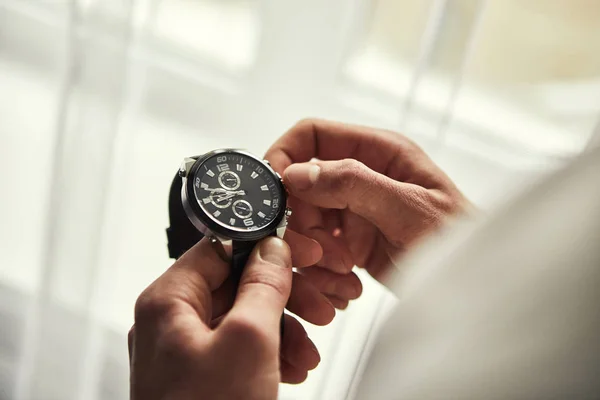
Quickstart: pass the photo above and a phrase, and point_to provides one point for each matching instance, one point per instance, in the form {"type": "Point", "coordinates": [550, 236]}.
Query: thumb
{"type": "Point", "coordinates": [264, 287]}
{"type": "Point", "coordinates": [390, 205]}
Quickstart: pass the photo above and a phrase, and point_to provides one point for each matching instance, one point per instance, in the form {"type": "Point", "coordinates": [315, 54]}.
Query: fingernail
{"type": "Point", "coordinates": [302, 176]}
{"type": "Point", "coordinates": [275, 251]}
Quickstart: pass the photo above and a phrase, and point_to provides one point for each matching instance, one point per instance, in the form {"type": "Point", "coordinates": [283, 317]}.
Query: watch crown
{"type": "Point", "coordinates": [182, 172]}
{"type": "Point", "coordinates": [288, 212]}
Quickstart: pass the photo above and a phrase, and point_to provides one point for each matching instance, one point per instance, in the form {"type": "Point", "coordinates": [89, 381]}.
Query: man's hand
{"type": "Point", "coordinates": [366, 195]}
{"type": "Point", "coordinates": [189, 342]}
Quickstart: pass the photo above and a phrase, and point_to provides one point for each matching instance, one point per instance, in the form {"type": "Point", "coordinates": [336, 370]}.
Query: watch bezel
{"type": "Point", "coordinates": [221, 230]}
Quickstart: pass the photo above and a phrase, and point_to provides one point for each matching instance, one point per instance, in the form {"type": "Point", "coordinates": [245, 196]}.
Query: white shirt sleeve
{"type": "Point", "coordinates": [506, 308]}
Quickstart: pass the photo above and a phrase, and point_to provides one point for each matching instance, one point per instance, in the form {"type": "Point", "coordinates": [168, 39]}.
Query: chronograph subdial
{"type": "Point", "coordinates": [220, 200]}
{"type": "Point", "coordinates": [229, 180]}
{"type": "Point", "coordinates": [242, 209]}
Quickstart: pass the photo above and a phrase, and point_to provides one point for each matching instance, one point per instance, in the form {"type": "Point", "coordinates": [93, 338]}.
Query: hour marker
{"type": "Point", "coordinates": [231, 221]}
{"type": "Point", "coordinates": [223, 167]}
{"type": "Point", "coordinates": [217, 213]}
{"type": "Point", "coordinates": [253, 175]}
{"type": "Point", "coordinates": [204, 185]}
{"type": "Point", "coordinates": [261, 214]}
{"type": "Point", "coordinates": [206, 200]}
{"type": "Point", "coordinates": [210, 173]}
{"type": "Point", "coordinates": [267, 202]}
{"type": "Point", "coordinates": [264, 187]}
{"type": "Point", "coordinates": [239, 167]}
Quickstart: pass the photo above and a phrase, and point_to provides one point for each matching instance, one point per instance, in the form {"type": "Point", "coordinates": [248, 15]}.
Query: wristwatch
{"type": "Point", "coordinates": [230, 196]}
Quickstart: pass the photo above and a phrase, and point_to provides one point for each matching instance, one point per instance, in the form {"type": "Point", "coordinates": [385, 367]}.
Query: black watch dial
{"type": "Point", "coordinates": [238, 191]}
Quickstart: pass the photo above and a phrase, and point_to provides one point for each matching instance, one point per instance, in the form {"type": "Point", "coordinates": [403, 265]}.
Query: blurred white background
{"type": "Point", "coordinates": [100, 100]}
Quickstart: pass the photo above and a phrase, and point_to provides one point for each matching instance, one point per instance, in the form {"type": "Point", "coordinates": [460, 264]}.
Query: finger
{"type": "Point", "coordinates": [345, 287]}
{"type": "Point", "coordinates": [338, 303]}
{"type": "Point", "coordinates": [223, 298]}
{"type": "Point", "coordinates": [308, 303]}
{"type": "Point", "coordinates": [332, 221]}
{"type": "Point", "coordinates": [291, 374]}
{"type": "Point", "coordinates": [305, 251]}
{"type": "Point", "coordinates": [296, 348]}
{"type": "Point", "coordinates": [305, 300]}
{"type": "Point", "coordinates": [263, 290]}
{"type": "Point", "coordinates": [308, 221]}
{"type": "Point", "coordinates": [188, 283]}
{"type": "Point", "coordinates": [383, 151]}
{"type": "Point", "coordinates": [328, 140]}
{"type": "Point", "coordinates": [336, 254]}
{"type": "Point", "coordinates": [351, 184]}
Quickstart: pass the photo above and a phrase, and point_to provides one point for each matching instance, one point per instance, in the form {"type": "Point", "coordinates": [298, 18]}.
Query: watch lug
{"type": "Point", "coordinates": [280, 230]}
{"type": "Point", "coordinates": [185, 167]}
{"type": "Point", "coordinates": [223, 246]}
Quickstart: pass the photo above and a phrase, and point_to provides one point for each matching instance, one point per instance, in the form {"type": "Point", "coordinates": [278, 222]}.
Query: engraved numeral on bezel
{"type": "Point", "coordinates": [248, 222]}
{"type": "Point", "coordinates": [223, 167]}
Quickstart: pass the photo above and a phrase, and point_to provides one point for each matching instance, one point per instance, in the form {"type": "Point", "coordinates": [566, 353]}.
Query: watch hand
{"type": "Point", "coordinates": [242, 192]}
{"type": "Point", "coordinates": [229, 195]}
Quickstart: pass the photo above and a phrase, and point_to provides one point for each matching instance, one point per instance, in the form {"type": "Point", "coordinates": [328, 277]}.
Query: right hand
{"type": "Point", "coordinates": [370, 195]}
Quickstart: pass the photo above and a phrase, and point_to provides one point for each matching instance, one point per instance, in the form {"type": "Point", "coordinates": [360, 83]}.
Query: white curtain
{"type": "Point", "coordinates": [100, 100]}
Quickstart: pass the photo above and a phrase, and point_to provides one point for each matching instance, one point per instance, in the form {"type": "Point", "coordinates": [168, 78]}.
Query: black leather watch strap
{"type": "Point", "coordinates": [182, 235]}
{"type": "Point", "coordinates": [240, 252]}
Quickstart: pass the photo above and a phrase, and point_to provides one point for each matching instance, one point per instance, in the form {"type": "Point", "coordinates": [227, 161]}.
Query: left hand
{"type": "Point", "coordinates": [183, 345]}
{"type": "Point", "coordinates": [366, 195]}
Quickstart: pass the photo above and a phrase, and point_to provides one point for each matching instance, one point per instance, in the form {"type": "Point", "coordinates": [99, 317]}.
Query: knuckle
{"type": "Point", "coordinates": [152, 306]}
{"type": "Point", "coordinates": [305, 124]}
{"type": "Point", "coordinates": [347, 174]}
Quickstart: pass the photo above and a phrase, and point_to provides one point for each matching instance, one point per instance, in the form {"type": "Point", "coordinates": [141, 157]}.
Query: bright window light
{"type": "Point", "coordinates": [224, 31]}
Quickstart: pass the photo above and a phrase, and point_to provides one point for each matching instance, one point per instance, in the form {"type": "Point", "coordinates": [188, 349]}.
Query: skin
{"type": "Point", "coordinates": [361, 196]}
{"type": "Point", "coordinates": [376, 195]}
{"type": "Point", "coordinates": [183, 346]}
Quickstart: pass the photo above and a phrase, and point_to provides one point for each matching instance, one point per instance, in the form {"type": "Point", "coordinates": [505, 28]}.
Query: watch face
{"type": "Point", "coordinates": [238, 191]}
